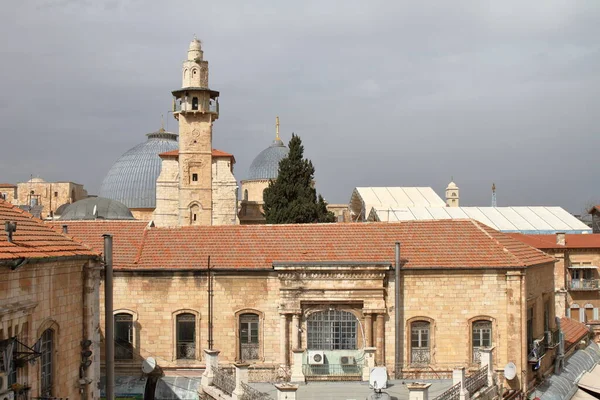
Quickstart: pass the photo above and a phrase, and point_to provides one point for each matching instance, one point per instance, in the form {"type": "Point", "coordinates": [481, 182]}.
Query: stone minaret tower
{"type": "Point", "coordinates": [452, 195]}
{"type": "Point", "coordinates": [195, 107]}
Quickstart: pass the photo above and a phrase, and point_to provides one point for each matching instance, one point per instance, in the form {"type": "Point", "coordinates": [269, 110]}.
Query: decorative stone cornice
{"type": "Point", "coordinates": [329, 275]}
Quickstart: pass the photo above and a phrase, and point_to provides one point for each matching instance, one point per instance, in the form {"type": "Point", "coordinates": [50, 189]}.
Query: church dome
{"type": "Point", "coordinates": [132, 178]}
{"type": "Point", "coordinates": [266, 163]}
{"type": "Point", "coordinates": [96, 208]}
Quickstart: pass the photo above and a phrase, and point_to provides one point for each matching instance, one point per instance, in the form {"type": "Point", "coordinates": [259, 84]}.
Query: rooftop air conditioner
{"type": "Point", "coordinates": [316, 357]}
{"type": "Point", "coordinates": [347, 360]}
{"type": "Point", "coordinates": [3, 382]}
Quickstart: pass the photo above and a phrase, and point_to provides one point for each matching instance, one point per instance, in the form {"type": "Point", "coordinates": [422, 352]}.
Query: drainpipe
{"type": "Point", "coordinates": [397, 319]}
{"type": "Point", "coordinates": [108, 317]}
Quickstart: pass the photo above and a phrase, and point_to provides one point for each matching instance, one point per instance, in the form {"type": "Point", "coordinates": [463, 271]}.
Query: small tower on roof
{"type": "Point", "coordinates": [452, 194]}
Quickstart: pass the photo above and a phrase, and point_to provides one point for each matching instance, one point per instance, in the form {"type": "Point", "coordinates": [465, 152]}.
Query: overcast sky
{"type": "Point", "coordinates": [382, 93]}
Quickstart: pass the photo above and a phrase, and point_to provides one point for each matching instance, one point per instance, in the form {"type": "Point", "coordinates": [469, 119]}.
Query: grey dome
{"type": "Point", "coordinates": [266, 163]}
{"type": "Point", "coordinates": [132, 178]}
{"type": "Point", "coordinates": [105, 209]}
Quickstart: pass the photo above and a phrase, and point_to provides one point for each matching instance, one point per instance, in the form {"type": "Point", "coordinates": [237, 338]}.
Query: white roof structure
{"type": "Point", "coordinates": [363, 199]}
{"type": "Point", "coordinates": [527, 220]}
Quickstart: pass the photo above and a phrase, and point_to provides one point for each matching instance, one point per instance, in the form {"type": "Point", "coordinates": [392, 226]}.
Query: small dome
{"type": "Point", "coordinates": [195, 45]}
{"type": "Point", "coordinates": [104, 209]}
{"type": "Point", "coordinates": [36, 180]}
{"type": "Point", "coordinates": [266, 163]}
{"type": "Point", "coordinates": [452, 185]}
{"type": "Point", "coordinates": [132, 178]}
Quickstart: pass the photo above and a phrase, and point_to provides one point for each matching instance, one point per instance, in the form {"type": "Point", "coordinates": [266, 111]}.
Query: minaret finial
{"type": "Point", "coordinates": [162, 123]}
{"type": "Point", "coordinates": [277, 128]}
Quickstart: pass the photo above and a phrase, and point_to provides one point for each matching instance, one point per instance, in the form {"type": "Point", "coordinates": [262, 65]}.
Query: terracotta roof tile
{"type": "Point", "coordinates": [33, 239]}
{"type": "Point", "coordinates": [5, 185]}
{"type": "Point", "coordinates": [573, 331]}
{"type": "Point", "coordinates": [572, 241]}
{"type": "Point", "coordinates": [424, 244]}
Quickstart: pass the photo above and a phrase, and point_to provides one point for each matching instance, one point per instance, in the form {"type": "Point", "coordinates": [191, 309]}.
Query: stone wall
{"type": "Point", "coordinates": [49, 295]}
{"type": "Point", "coordinates": [166, 212]}
{"type": "Point", "coordinates": [224, 189]}
{"type": "Point", "coordinates": [50, 195]}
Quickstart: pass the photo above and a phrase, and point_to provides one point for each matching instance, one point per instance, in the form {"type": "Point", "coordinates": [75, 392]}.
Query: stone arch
{"type": "Point", "coordinates": [194, 212]}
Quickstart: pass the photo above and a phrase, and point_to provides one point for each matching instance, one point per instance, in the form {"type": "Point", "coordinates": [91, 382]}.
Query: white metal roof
{"type": "Point", "coordinates": [363, 199]}
{"type": "Point", "coordinates": [529, 220]}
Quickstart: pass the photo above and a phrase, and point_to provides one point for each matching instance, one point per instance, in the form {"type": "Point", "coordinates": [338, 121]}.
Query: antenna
{"type": "Point", "coordinates": [494, 203]}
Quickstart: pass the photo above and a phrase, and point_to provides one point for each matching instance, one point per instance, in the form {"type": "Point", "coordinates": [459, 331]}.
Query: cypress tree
{"type": "Point", "coordinates": [292, 198]}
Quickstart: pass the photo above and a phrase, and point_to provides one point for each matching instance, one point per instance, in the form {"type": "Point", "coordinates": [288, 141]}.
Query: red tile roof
{"type": "Point", "coordinates": [572, 241]}
{"type": "Point", "coordinates": [5, 185]}
{"type": "Point", "coordinates": [573, 331]}
{"type": "Point", "coordinates": [594, 209]}
{"type": "Point", "coordinates": [215, 153]}
{"type": "Point", "coordinates": [33, 239]}
{"type": "Point", "coordinates": [424, 244]}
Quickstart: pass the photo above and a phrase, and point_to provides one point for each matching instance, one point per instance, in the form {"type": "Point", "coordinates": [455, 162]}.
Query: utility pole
{"type": "Point", "coordinates": [108, 317]}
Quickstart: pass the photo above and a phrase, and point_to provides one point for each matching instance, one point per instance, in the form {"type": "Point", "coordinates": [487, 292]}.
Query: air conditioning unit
{"type": "Point", "coordinates": [8, 396]}
{"type": "Point", "coordinates": [316, 357]}
{"type": "Point", "coordinates": [3, 382]}
{"type": "Point", "coordinates": [347, 360]}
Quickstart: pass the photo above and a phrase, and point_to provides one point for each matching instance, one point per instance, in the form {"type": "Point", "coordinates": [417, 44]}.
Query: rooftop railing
{"type": "Point", "coordinates": [585, 284]}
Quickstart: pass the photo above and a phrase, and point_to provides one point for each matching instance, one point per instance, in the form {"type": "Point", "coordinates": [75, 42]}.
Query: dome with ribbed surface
{"type": "Point", "coordinates": [132, 178]}
{"type": "Point", "coordinates": [266, 163]}
{"type": "Point", "coordinates": [96, 208]}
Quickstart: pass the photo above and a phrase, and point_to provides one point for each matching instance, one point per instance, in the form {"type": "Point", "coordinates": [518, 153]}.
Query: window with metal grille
{"type": "Point", "coordinates": [331, 330]}
{"type": "Point", "coordinates": [186, 336]}
{"type": "Point", "coordinates": [249, 345]}
{"type": "Point", "coordinates": [419, 342]}
{"type": "Point", "coordinates": [46, 362]}
{"type": "Point", "coordinates": [123, 336]}
{"type": "Point", "coordinates": [482, 337]}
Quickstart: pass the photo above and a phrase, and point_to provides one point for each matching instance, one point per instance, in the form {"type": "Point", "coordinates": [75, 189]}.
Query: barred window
{"type": "Point", "coordinates": [249, 342]}
{"type": "Point", "coordinates": [186, 336]}
{"type": "Point", "coordinates": [419, 342]}
{"type": "Point", "coordinates": [46, 363]}
{"type": "Point", "coordinates": [482, 337]}
{"type": "Point", "coordinates": [123, 337]}
{"type": "Point", "coordinates": [332, 330]}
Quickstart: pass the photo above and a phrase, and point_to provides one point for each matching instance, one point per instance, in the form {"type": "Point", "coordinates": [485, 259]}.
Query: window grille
{"type": "Point", "coordinates": [123, 337]}
{"type": "Point", "coordinates": [186, 336]}
{"type": "Point", "coordinates": [419, 342]}
{"type": "Point", "coordinates": [249, 337]}
{"type": "Point", "coordinates": [46, 369]}
{"type": "Point", "coordinates": [482, 337]}
{"type": "Point", "coordinates": [332, 330]}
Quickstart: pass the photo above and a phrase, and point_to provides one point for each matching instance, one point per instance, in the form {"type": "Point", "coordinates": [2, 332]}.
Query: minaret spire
{"type": "Point", "coordinates": [277, 129]}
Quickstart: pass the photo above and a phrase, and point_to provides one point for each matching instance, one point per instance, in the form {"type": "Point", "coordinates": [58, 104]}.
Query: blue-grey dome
{"type": "Point", "coordinates": [266, 163]}
{"type": "Point", "coordinates": [96, 208]}
{"type": "Point", "coordinates": [132, 178]}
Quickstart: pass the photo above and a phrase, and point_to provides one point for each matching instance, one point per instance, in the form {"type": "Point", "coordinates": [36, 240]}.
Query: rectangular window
{"type": "Point", "coordinates": [186, 336]}
{"type": "Point", "coordinates": [55, 194]}
{"type": "Point", "coordinates": [530, 328]}
{"type": "Point", "coordinates": [332, 330]}
{"type": "Point", "coordinates": [249, 349]}
{"type": "Point", "coordinates": [46, 363]}
{"type": "Point", "coordinates": [575, 313]}
{"type": "Point", "coordinates": [123, 337]}
{"type": "Point", "coordinates": [482, 337]}
{"type": "Point", "coordinates": [419, 342]}
{"type": "Point", "coordinates": [194, 177]}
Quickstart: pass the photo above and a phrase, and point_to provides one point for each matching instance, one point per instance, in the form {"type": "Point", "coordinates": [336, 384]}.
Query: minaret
{"type": "Point", "coordinates": [452, 196]}
{"type": "Point", "coordinates": [195, 107]}
{"type": "Point", "coordinates": [494, 202]}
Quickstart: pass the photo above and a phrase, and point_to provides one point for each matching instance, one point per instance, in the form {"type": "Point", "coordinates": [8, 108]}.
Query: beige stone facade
{"type": "Point", "coordinates": [57, 301]}
{"type": "Point", "coordinates": [251, 204]}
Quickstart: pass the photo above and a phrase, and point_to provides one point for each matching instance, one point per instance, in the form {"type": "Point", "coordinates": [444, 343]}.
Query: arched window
{"type": "Point", "coordinates": [420, 342]}
{"type": "Point", "coordinates": [575, 312]}
{"type": "Point", "coordinates": [194, 103]}
{"type": "Point", "coordinates": [186, 336]}
{"type": "Point", "coordinates": [481, 337]}
{"type": "Point", "coordinates": [194, 214]}
{"type": "Point", "coordinates": [249, 338]}
{"type": "Point", "coordinates": [123, 336]}
{"type": "Point", "coordinates": [47, 363]}
{"type": "Point", "coordinates": [332, 330]}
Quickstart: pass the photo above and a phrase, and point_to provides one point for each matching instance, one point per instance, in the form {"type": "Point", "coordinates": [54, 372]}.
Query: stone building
{"type": "Point", "coordinates": [318, 297]}
{"type": "Point", "coordinates": [43, 197]}
{"type": "Point", "coordinates": [452, 195]}
{"type": "Point", "coordinates": [49, 303]}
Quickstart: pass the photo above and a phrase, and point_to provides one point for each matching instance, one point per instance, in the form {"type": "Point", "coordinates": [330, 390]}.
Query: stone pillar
{"type": "Point", "coordinates": [286, 391]}
{"type": "Point", "coordinates": [283, 340]}
{"type": "Point", "coordinates": [295, 331]}
{"type": "Point", "coordinates": [380, 342]}
{"type": "Point", "coordinates": [212, 360]}
{"type": "Point", "coordinates": [488, 360]}
{"type": "Point", "coordinates": [418, 391]}
{"type": "Point", "coordinates": [297, 373]}
{"type": "Point", "coordinates": [241, 376]}
{"type": "Point", "coordinates": [458, 377]}
{"type": "Point", "coordinates": [369, 363]}
{"type": "Point", "coordinates": [369, 330]}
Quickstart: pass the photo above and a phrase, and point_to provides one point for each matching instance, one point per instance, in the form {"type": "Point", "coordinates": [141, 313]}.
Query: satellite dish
{"type": "Point", "coordinates": [148, 365]}
{"type": "Point", "coordinates": [378, 378]}
{"type": "Point", "coordinates": [510, 371]}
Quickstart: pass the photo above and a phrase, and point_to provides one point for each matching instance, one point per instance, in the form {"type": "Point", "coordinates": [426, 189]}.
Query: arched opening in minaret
{"type": "Point", "coordinates": [194, 214]}
{"type": "Point", "coordinates": [194, 103]}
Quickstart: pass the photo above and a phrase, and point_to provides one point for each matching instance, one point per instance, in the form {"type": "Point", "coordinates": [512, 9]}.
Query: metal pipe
{"type": "Point", "coordinates": [397, 317]}
{"type": "Point", "coordinates": [109, 338]}
{"type": "Point", "coordinates": [210, 307]}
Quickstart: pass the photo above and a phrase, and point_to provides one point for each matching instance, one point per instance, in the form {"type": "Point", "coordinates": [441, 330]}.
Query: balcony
{"type": "Point", "coordinates": [552, 338]}
{"type": "Point", "coordinates": [420, 356]}
{"type": "Point", "coordinates": [584, 284]}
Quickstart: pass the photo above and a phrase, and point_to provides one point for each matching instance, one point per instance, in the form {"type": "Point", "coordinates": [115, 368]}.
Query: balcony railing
{"type": "Point", "coordinates": [537, 350]}
{"type": "Point", "coordinates": [585, 284]}
{"type": "Point", "coordinates": [552, 338]}
{"type": "Point", "coordinates": [341, 371]}
{"type": "Point", "coordinates": [420, 356]}
{"type": "Point", "coordinates": [186, 351]}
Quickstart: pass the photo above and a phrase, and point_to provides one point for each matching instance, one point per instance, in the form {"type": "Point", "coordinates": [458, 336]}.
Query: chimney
{"type": "Point", "coordinates": [10, 227]}
{"type": "Point", "coordinates": [560, 238]}
{"type": "Point", "coordinates": [65, 229]}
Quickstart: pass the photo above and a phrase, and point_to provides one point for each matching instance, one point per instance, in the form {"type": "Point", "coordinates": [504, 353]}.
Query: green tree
{"type": "Point", "coordinates": [292, 198]}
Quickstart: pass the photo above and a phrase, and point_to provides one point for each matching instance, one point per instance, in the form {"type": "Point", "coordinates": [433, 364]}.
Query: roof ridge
{"type": "Point", "coordinates": [502, 246]}
{"type": "Point", "coordinates": [141, 246]}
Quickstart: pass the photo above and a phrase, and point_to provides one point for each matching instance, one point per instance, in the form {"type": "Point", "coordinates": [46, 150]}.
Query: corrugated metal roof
{"type": "Point", "coordinates": [528, 220]}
